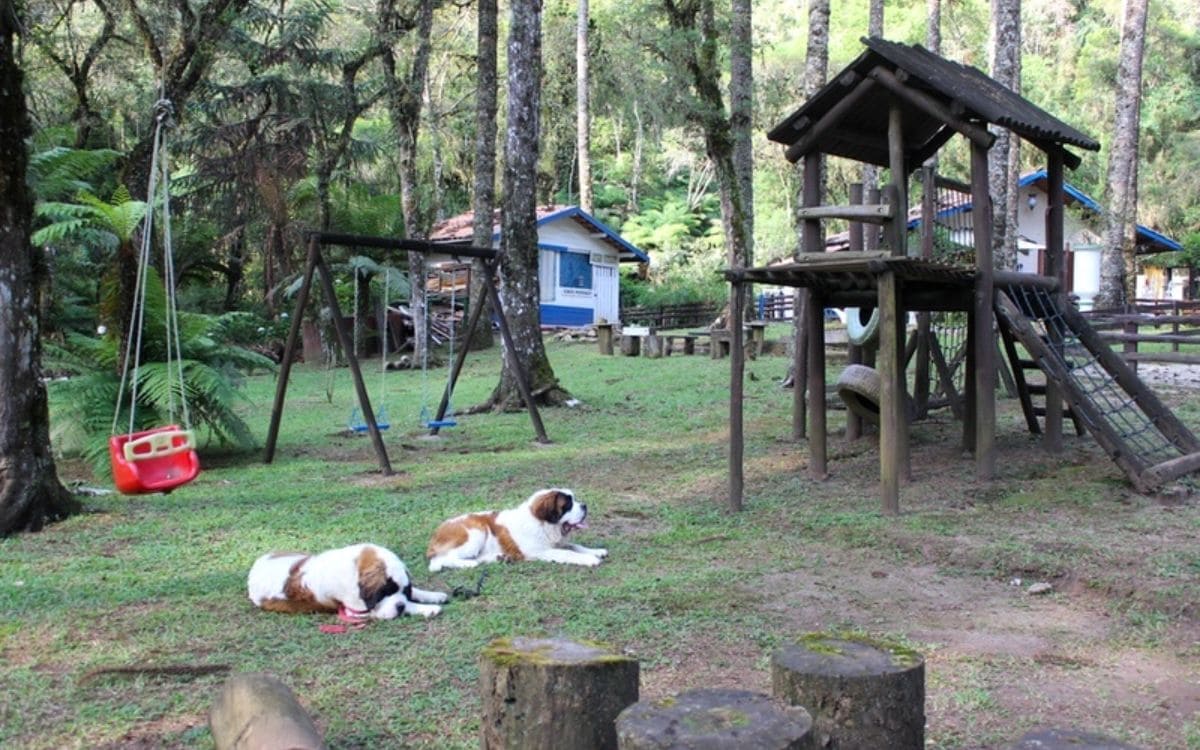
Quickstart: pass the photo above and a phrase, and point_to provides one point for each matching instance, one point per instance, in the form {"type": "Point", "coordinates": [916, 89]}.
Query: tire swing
{"type": "Point", "coordinates": [859, 387]}
{"type": "Point", "coordinates": [858, 332]}
{"type": "Point", "coordinates": [163, 458]}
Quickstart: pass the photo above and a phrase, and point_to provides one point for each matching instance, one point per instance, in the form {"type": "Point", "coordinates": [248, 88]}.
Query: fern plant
{"type": "Point", "coordinates": [212, 370]}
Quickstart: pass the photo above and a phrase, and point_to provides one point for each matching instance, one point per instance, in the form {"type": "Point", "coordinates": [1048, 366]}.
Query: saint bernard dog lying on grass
{"type": "Point", "coordinates": [360, 582]}
{"type": "Point", "coordinates": [536, 529]}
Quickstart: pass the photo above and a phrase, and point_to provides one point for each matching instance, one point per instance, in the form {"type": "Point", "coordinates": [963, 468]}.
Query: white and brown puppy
{"type": "Point", "coordinates": [536, 529]}
{"type": "Point", "coordinates": [359, 582]}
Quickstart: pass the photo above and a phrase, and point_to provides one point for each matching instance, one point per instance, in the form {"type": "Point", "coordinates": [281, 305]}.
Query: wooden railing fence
{"type": "Point", "coordinates": [1128, 327]}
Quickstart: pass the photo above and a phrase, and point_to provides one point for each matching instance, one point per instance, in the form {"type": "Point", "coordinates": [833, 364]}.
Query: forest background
{"type": "Point", "coordinates": [261, 133]}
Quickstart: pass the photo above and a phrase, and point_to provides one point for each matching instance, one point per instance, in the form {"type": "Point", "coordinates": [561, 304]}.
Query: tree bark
{"type": "Point", "coordinates": [714, 718]}
{"type": "Point", "coordinates": [519, 291]}
{"type": "Point", "coordinates": [583, 118]}
{"type": "Point", "coordinates": [30, 492]}
{"type": "Point", "coordinates": [701, 61]}
{"type": "Point", "coordinates": [1117, 260]}
{"type": "Point", "coordinates": [870, 172]}
{"type": "Point", "coordinates": [404, 96]}
{"type": "Point", "coordinates": [860, 693]}
{"type": "Point", "coordinates": [741, 110]}
{"type": "Point", "coordinates": [256, 711]}
{"type": "Point", "coordinates": [484, 200]}
{"type": "Point", "coordinates": [1002, 159]}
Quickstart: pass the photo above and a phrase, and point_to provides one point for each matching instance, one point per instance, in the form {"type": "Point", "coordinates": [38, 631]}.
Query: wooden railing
{"type": "Point", "coordinates": [1126, 326]}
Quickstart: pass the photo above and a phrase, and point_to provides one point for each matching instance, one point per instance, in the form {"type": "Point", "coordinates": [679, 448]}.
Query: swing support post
{"type": "Point", "coordinates": [514, 362]}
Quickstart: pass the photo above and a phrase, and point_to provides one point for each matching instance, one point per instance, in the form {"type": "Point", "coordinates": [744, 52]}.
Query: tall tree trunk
{"type": "Point", "coordinates": [583, 118]}
{"type": "Point", "coordinates": [518, 228]}
{"type": "Point", "coordinates": [741, 109]}
{"type": "Point", "coordinates": [404, 104]}
{"type": "Point", "coordinates": [933, 26]}
{"type": "Point", "coordinates": [30, 493]}
{"type": "Point", "coordinates": [484, 200]}
{"type": "Point", "coordinates": [180, 65]}
{"type": "Point", "coordinates": [1118, 259]}
{"type": "Point", "coordinates": [1003, 157]}
{"type": "Point", "coordinates": [870, 172]}
{"type": "Point", "coordinates": [701, 62]}
{"type": "Point", "coordinates": [639, 140]}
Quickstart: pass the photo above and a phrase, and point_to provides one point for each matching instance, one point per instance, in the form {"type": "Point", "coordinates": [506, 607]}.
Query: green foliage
{"type": "Point", "coordinates": [212, 367]}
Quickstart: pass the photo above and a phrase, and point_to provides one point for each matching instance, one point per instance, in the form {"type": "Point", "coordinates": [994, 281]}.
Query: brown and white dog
{"type": "Point", "coordinates": [359, 582]}
{"type": "Point", "coordinates": [536, 529]}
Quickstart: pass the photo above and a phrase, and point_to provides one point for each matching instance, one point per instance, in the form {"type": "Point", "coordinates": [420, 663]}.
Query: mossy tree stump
{"type": "Point", "coordinates": [715, 719]}
{"type": "Point", "coordinates": [551, 693]}
{"type": "Point", "coordinates": [258, 712]}
{"type": "Point", "coordinates": [654, 347]}
{"type": "Point", "coordinates": [861, 692]}
{"type": "Point", "coordinates": [1067, 739]}
{"type": "Point", "coordinates": [631, 346]}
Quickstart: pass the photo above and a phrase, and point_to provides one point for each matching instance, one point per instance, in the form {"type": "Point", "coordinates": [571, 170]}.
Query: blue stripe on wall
{"type": "Point", "coordinates": [558, 315]}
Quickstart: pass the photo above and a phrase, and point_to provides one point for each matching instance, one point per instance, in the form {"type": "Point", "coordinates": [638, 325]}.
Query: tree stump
{"type": "Point", "coordinates": [258, 712]}
{"type": "Point", "coordinates": [550, 693]}
{"type": "Point", "coordinates": [715, 719]}
{"type": "Point", "coordinates": [1067, 739]}
{"type": "Point", "coordinates": [861, 692]}
{"type": "Point", "coordinates": [631, 346]}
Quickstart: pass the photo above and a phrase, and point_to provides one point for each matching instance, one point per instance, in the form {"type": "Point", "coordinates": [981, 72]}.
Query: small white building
{"type": "Point", "coordinates": [577, 263]}
{"type": "Point", "coordinates": [1081, 239]}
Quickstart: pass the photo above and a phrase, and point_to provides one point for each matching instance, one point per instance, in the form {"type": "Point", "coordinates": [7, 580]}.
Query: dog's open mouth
{"type": "Point", "coordinates": [567, 528]}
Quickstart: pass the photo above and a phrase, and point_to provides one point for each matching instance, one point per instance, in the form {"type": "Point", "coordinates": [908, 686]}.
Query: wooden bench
{"type": "Point", "coordinates": [688, 339]}
{"type": "Point", "coordinates": [754, 336]}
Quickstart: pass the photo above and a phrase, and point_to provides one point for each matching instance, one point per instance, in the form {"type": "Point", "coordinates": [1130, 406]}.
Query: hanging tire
{"type": "Point", "coordinates": [859, 385]}
{"type": "Point", "coordinates": [858, 332]}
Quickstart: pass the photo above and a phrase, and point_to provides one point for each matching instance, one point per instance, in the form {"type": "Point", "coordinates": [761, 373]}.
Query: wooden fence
{"type": "Point", "coordinates": [1128, 327]}
{"type": "Point", "coordinates": [671, 316]}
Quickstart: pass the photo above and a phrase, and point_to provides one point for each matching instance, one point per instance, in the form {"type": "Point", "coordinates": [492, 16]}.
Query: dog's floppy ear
{"type": "Point", "coordinates": [550, 506]}
{"type": "Point", "coordinates": [374, 583]}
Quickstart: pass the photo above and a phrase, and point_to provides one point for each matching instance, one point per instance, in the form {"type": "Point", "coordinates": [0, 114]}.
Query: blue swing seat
{"type": "Point", "coordinates": [359, 425]}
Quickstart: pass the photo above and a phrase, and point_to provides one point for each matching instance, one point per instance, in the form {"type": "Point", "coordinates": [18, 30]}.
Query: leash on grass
{"type": "Point", "coordinates": [463, 592]}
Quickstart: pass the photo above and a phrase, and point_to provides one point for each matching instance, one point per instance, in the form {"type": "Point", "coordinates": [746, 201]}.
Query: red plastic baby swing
{"type": "Point", "coordinates": [160, 459]}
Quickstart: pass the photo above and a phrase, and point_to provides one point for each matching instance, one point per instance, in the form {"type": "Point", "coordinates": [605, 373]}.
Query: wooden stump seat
{"type": "Point", "coordinates": [861, 692]}
{"type": "Point", "coordinates": [255, 711]}
{"type": "Point", "coordinates": [552, 693]}
{"type": "Point", "coordinates": [712, 719]}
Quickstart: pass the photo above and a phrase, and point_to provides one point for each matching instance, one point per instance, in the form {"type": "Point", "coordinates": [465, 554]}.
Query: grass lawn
{"type": "Point", "coordinates": [701, 597]}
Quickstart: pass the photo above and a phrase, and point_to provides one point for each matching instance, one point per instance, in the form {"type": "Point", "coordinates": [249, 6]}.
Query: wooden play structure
{"type": "Point", "coordinates": [316, 265]}
{"type": "Point", "coordinates": [895, 106]}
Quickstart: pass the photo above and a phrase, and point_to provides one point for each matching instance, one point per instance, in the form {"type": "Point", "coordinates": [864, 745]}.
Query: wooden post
{"type": "Point", "coordinates": [631, 346]}
{"type": "Point", "coordinates": [360, 387]}
{"type": "Point", "coordinates": [921, 372]}
{"type": "Point", "coordinates": [899, 193]}
{"type": "Point", "coordinates": [800, 365]}
{"type": "Point", "coordinates": [814, 331]}
{"type": "Point", "coordinates": [289, 349]}
{"type": "Point", "coordinates": [604, 337]}
{"type": "Point", "coordinates": [861, 693]}
{"type": "Point", "coordinates": [258, 712]}
{"type": "Point", "coordinates": [550, 693]}
{"type": "Point", "coordinates": [715, 718]}
{"type": "Point", "coordinates": [1052, 438]}
{"type": "Point", "coordinates": [984, 373]}
{"type": "Point", "coordinates": [871, 232]}
{"type": "Point", "coordinates": [892, 422]}
{"type": "Point", "coordinates": [737, 371]}
{"type": "Point", "coordinates": [514, 362]}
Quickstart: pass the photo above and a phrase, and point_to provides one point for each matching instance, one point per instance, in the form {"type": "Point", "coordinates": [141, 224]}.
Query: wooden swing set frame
{"type": "Point", "coordinates": [316, 264]}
